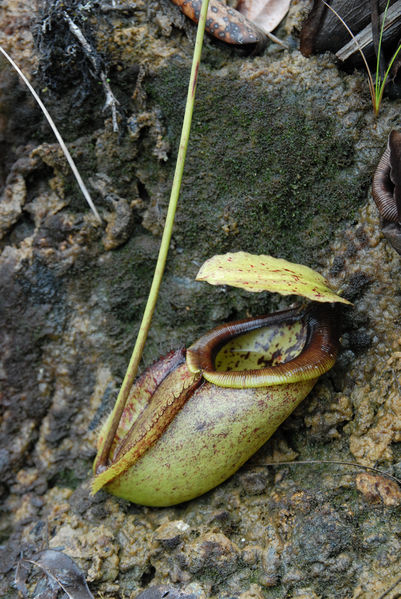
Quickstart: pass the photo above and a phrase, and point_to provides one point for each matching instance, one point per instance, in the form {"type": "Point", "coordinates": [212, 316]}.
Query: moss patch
{"type": "Point", "coordinates": [267, 171]}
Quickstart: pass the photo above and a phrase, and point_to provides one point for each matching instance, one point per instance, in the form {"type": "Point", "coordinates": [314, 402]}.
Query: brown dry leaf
{"type": "Point", "coordinates": [266, 14]}
{"type": "Point", "coordinates": [61, 571]}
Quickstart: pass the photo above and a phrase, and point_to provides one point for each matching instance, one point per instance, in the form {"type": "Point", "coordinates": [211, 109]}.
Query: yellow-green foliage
{"type": "Point", "coordinates": [265, 273]}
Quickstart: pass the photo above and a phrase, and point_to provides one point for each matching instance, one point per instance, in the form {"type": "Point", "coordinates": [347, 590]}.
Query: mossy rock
{"type": "Point", "coordinates": [268, 171]}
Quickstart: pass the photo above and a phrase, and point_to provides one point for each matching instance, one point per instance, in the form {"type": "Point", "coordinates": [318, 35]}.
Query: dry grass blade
{"type": "Point", "coordinates": [376, 87]}
{"type": "Point", "coordinates": [393, 586]}
{"type": "Point", "coordinates": [365, 36]}
{"type": "Point", "coordinates": [64, 148]}
{"type": "Point", "coordinates": [335, 462]}
{"type": "Point", "coordinates": [358, 47]}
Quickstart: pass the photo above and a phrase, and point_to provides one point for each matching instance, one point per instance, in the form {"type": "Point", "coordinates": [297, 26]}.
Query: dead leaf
{"type": "Point", "coordinates": [60, 569]}
{"type": "Point", "coordinates": [266, 14]}
{"type": "Point", "coordinates": [265, 273]}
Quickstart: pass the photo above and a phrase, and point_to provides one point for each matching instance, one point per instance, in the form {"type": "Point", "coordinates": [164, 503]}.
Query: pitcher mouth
{"type": "Point", "coordinates": [286, 347]}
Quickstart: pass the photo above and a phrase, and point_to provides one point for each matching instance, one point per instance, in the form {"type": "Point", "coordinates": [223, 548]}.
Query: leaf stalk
{"type": "Point", "coordinates": [104, 449]}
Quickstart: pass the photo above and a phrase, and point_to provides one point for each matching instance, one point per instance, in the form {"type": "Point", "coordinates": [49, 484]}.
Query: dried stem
{"type": "Point", "coordinates": [336, 462]}
{"type": "Point", "coordinates": [111, 100]}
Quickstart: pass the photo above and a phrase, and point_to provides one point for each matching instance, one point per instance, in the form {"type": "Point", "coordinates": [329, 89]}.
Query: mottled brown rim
{"type": "Point", "coordinates": [317, 357]}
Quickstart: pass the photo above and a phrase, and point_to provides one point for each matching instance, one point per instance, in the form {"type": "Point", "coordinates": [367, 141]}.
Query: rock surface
{"type": "Point", "coordinates": [280, 161]}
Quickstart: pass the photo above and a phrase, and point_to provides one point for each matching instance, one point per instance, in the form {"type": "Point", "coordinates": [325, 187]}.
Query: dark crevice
{"type": "Point", "coordinates": [22, 229]}
{"type": "Point", "coordinates": [142, 191]}
{"type": "Point", "coordinates": [147, 576]}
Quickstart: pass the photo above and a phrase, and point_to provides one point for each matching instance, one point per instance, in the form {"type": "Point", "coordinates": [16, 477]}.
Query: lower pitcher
{"type": "Point", "coordinates": [196, 415]}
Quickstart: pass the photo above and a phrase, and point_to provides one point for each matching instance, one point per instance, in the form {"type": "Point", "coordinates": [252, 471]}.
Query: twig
{"type": "Point", "coordinates": [111, 100]}
{"type": "Point", "coordinates": [57, 134]}
{"type": "Point", "coordinates": [276, 40]}
{"type": "Point", "coordinates": [393, 586]}
{"type": "Point", "coordinates": [337, 462]}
